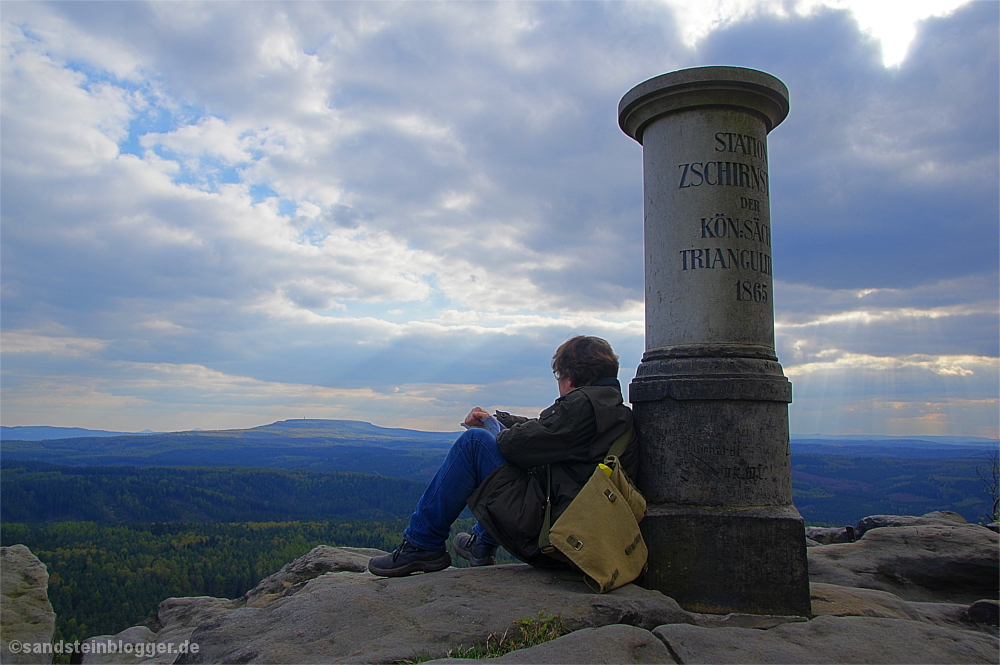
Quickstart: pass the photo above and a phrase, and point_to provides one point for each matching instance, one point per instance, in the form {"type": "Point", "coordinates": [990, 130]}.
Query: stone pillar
{"type": "Point", "coordinates": [710, 399]}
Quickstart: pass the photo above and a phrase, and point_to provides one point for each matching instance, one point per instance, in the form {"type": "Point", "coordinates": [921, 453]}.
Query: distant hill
{"type": "Point", "coordinates": [910, 449]}
{"type": "Point", "coordinates": [298, 428]}
{"type": "Point", "coordinates": [835, 480]}
{"type": "Point", "coordinates": [317, 445]}
{"type": "Point", "coordinates": [299, 444]}
{"type": "Point", "coordinates": [350, 445]}
{"type": "Point", "coordinates": [44, 432]}
{"type": "Point", "coordinates": [879, 439]}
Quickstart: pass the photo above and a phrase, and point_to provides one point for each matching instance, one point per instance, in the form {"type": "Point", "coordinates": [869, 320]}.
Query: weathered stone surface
{"type": "Point", "coordinates": [833, 600]}
{"type": "Point", "coordinates": [735, 620]}
{"type": "Point", "coordinates": [322, 559]}
{"type": "Point", "coordinates": [830, 639]}
{"type": "Point", "coordinates": [607, 644]}
{"type": "Point", "coordinates": [697, 452]}
{"type": "Point", "coordinates": [841, 601]}
{"type": "Point", "coordinates": [711, 561]}
{"type": "Point", "coordinates": [177, 615]}
{"type": "Point", "coordinates": [985, 611]}
{"type": "Point", "coordinates": [349, 617]}
{"type": "Point", "coordinates": [939, 560]}
{"type": "Point", "coordinates": [26, 615]}
{"type": "Point", "coordinates": [111, 649]}
{"type": "Point", "coordinates": [952, 615]}
{"type": "Point", "coordinates": [356, 617]}
{"type": "Point", "coordinates": [177, 618]}
{"type": "Point", "coordinates": [829, 535]}
{"type": "Point", "coordinates": [937, 517]}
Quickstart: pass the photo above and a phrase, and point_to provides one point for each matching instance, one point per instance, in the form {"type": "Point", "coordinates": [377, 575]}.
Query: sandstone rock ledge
{"type": "Point", "coordinates": [26, 614]}
{"type": "Point", "coordinates": [323, 608]}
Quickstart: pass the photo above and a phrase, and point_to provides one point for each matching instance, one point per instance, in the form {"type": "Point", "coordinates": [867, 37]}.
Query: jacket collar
{"type": "Point", "coordinates": [609, 381]}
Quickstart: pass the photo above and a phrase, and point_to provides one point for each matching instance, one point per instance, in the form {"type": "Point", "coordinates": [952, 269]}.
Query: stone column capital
{"type": "Point", "coordinates": [700, 87]}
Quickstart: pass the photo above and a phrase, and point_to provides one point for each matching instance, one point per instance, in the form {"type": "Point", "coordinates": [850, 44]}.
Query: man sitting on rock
{"type": "Point", "coordinates": [504, 465]}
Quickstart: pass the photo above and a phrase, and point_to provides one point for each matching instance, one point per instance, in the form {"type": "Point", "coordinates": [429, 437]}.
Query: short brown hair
{"type": "Point", "coordinates": [585, 360]}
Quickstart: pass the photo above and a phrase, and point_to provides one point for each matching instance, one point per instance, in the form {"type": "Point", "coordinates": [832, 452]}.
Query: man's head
{"type": "Point", "coordinates": [582, 361]}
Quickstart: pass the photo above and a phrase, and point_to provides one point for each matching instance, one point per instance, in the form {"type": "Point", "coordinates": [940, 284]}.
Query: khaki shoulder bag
{"type": "Point", "coordinates": [599, 530]}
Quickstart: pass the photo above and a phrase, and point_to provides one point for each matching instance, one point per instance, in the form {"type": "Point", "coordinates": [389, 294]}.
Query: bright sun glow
{"type": "Point", "coordinates": [892, 22]}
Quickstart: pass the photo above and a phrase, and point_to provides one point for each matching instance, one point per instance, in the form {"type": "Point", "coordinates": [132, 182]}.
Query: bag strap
{"type": "Point", "coordinates": [621, 443]}
{"type": "Point", "coordinates": [617, 448]}
{"type": "Point", "coordinates": [543, 537]}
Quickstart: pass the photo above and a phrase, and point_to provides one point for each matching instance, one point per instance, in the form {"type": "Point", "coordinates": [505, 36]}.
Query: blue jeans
{"type": "Point", "coordinates": [472, 457]}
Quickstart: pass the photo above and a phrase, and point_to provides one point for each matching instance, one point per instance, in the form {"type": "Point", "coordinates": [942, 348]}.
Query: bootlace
{"type": "Point", "coordinates": [399, 550]}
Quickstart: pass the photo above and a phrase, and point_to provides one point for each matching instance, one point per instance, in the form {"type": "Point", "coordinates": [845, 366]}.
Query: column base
{"type": "Point", "coordinates": [717, 561]}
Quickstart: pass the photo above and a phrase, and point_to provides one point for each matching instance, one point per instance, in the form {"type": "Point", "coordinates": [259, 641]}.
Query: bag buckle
{"type": "Point", "coordinates": [634, 544]}
{"type": "Point", "coordinates": [611, 495]}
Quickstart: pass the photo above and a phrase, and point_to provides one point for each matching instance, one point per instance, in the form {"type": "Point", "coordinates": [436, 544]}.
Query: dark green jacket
{"type": "Point", "coordinates": [570, 437]}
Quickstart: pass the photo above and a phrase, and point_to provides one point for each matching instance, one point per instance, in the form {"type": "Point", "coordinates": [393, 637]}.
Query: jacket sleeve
{"type": "Point", "coordinates": [561, 433]}
{"type": "Point", "coordinates": [508, 420]}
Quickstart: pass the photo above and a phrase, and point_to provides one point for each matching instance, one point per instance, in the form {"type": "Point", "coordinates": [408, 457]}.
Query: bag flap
{"type": "Point", "coordinates": [599, 534]}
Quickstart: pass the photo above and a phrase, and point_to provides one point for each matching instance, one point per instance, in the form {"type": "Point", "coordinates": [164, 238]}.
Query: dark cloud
{"type": "Point", "coordinates": [880, 177]}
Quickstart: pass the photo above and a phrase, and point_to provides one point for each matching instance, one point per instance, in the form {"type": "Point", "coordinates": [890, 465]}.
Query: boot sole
{"type": "Point", "coordinates": [410, 568]}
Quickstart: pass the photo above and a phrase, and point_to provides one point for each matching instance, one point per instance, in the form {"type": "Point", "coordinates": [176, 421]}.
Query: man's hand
{"type": "Point", "coordinates": [476, 417]}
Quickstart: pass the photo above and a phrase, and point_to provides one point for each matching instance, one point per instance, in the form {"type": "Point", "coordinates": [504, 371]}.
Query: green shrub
{"type": "Point", "coordinates": [529, 632]}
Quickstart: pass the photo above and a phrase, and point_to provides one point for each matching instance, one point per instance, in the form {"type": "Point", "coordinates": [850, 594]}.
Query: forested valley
{"type": "Point", "coordinates": [836, 490]}
{"type": "Point", "coordinates": [117, 540]}
{"type": "Point", "coordinates": [104, 578]}
{"type": "Point", "coordinates": [41, 492]}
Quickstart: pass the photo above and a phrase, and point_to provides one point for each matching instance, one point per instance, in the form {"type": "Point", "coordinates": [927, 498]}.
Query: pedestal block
{"type": "Point", "coordinates": [710, 398]}
{"type": "Point", "coordinates": [749, 560]}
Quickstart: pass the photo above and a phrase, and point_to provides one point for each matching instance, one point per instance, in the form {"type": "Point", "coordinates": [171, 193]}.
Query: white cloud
{"type": "Point", "coordinates": [32, 342]}
{"type": "Point", "coordinates": [210, 136]}
{"type": "Point", "coordinates": [63, 38]}
{"type": "Point", "coordinates": [941, 365]}
{"type": "Point", "coordinates": [863, 316]}
{"type": "Point", "coordinates": [43, 98]}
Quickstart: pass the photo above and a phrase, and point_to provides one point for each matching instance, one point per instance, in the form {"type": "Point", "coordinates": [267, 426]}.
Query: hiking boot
{"type": "Point", "coordinates": [476, 551]}
{"type": "Point", "coordinates": [406, 559]}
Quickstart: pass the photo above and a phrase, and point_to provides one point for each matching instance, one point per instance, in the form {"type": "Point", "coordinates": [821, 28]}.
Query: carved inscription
{"type": "Point", "coordinates": [728, 174]}
{"type": "Point", "coordinates": [744, 143]}
{"type": "Point", "coordinates": [711, 448]}
{"type": "Point", "coordinates": [715, 258]}
{"type": "Point", "coordinates": [700, 450]}
{"type": "Point", "coordinates": [751, 291]}
{"type": "Point", "coordinates": [747, 473]}
{"type": "Point", "coordinates": [726, 227]}
{"type": "Point", "coordinates": [728, 258]}
{"type": "Point", "coordinates": [731, 228]}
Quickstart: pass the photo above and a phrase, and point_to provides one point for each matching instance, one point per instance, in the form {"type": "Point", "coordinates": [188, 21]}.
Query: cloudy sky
{"type": "Point", "coordinates": [219, 215]}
